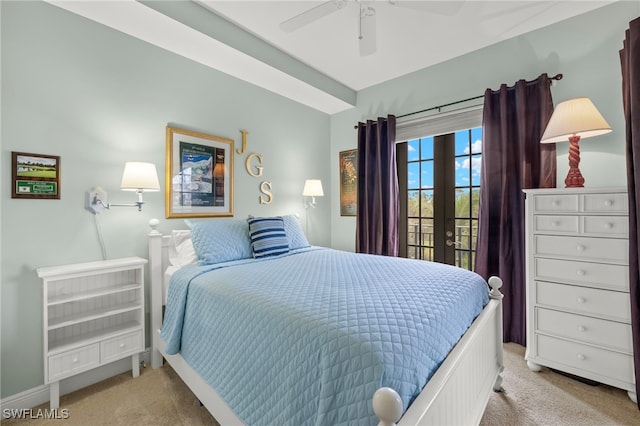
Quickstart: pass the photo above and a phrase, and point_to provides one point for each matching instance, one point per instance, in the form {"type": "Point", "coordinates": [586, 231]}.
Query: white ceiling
{"type": "Point", "coordinates": [411, 35]}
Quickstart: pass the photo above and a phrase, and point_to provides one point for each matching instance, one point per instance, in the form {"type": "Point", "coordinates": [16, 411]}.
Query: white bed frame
{"type": "Point", "coordinates": [457, 393]}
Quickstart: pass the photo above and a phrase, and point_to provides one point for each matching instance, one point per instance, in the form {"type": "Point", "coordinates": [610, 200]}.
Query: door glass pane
{"type": "Point", "coordinates": [413, 204]}
{"type": "Point", "coordinates": [427, 233]}
{"type": "Point", "coordinates": [476, 140]}
{"type": "Point", "coordinates": [476, 164]}
{"type": "Point", "coordinates": [427, 174]}
{"type": "Point", "coordinates": [463, 202]}
{"type": "Point", "coordinates": [413, 150]}
{"type": "Point", "coordinates": [413, 230]}
{"type": "Point", "coordinates": [463, 170]}
{"type": "Point", "coordinates": [413, 175]}
{"type": "Point", "coordinates": [462, 142]}
{"type": "Point", "coordinates": [427, 148]}
{"type": "Point", "coordinates": [426, 210]}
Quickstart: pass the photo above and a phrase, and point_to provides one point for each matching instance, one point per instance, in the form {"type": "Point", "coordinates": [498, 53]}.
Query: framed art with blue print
{"type": "Point", "coordinates": [199, 174]}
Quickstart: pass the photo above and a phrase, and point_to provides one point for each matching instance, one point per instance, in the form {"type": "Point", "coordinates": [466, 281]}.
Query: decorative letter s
{"type": "Point", "coordinates": [265, 188]}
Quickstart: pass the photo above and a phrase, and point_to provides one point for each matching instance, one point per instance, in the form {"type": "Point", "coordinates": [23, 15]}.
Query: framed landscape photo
{"type": "Point", "coordinates": [35, 176]}
{"type": "Point", "coordinates": [199, 175]}
{"type": "Point", "coordinates": [348, 182]}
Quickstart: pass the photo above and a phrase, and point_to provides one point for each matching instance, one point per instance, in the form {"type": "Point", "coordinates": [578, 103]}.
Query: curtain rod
{"type": "Point", "coordinates": [555, 77]}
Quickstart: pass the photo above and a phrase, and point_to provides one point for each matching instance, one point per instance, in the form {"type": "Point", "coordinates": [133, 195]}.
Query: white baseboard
{"type": "Point", "coordinates": [39, 395]}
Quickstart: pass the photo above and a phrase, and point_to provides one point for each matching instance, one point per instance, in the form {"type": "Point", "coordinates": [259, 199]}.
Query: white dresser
{"type": "Point", "coordinates": [93, 314]}
{"type": "Point", "coordinates": [578, 303]}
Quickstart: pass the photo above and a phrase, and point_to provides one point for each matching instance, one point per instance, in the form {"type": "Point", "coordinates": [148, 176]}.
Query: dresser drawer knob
{"type": "Point", "coordinates": [581, 357]}
{"type": "Point", "coordinates": [555, 203]}
{"type": "Point", "coordinates": [581, 272]}
{"type": "Point", "coordinates": [555, 224]}
{"type": "Point", "coordinates": [582, 328]}
{"type": "Point", "coordinates": [581, 300]}
{"type": "Point", "coordinates": [580, 247]}
{"type": "Point", "coordinates": [608, 225]}
{"type": "Point", "coordinates": [74, 360]}
{"type": "Point", "coordinates": [122, 345]}
{"type": "Point", "coordinates": [608, 203]}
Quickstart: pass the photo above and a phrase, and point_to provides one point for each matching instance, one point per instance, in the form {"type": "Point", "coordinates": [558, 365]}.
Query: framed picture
{"type": "Point", "coordinates": [348, 182]}
{"type": "Point", "coordinates": [199, 173]}
{"type": "Point", "coordinates": [35, 176]}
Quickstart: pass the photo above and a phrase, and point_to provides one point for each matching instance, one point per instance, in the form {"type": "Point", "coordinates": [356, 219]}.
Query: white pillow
{"type": "Point", "coordinates": [181, 252]}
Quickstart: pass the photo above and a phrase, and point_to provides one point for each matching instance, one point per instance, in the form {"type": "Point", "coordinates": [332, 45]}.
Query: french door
{"type": "Point", "coordinates": [439, 179]}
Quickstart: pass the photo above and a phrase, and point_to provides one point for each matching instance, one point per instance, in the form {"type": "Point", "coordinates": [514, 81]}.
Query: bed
{"type": "Point", "coordinates": [285, 332]}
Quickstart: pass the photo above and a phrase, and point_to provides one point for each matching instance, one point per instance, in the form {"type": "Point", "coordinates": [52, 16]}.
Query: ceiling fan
{"type": "Point", "coordinates": [366, 18]}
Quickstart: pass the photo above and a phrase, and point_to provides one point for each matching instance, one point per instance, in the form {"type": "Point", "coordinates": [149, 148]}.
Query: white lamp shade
{"type": "Point", "coordinates": [577, 117]}
{"type": "Point", "coordinates": [140, 176]}
{"type": "Point", "coordinates": [313, 188]}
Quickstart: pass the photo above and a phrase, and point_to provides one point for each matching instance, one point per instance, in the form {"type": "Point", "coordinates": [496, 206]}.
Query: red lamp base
{"type": "Point", "coordinates": [574, 178]}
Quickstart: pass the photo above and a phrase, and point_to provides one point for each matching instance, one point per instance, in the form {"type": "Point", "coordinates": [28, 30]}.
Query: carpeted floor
{"type": "Point", "coordinates": [159, 397]}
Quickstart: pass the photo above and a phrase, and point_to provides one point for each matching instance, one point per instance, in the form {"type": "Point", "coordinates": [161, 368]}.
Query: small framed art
{"type": "Point", "coordinates": [348, 182]}
{"type": "Point", "coordinates": [199, 173]}
{"type": "Point", "coordinates": [35, 176]}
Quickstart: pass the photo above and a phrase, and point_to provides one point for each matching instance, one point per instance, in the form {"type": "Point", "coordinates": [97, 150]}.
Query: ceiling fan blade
{"type": "Point", "coordinates": [367, 34]}
{"type": "Point", "coordinates": [311, 15]}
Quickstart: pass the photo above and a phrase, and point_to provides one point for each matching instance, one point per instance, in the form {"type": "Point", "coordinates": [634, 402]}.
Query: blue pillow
{"type": "Point", "coordinates": [223, 240]}
{"type": "Point", "coordinates": [294, 231]}
{"type": "Point", "coordinates": [268, 237]}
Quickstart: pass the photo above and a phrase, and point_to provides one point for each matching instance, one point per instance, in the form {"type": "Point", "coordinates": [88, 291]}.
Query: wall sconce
{"type": "Point", "coordinates": [313, 189]}
{"type": "Point", "coordinates": [139, 177]}
{"type": "Point", "coordinates": [570, 121]}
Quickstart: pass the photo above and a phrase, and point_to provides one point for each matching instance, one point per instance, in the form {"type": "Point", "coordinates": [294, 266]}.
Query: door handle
{"type": "Point", "coordinates": [452, 243]}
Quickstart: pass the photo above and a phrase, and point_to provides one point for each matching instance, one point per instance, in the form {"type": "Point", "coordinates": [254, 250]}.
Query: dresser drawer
{"type": "Point", "coordinates": [586, 358]}
{"type": "Point", "coordinates": [556, 224]}
{"type": "Point", "coordinates": [590, 301]}
{"type": "Point", "coordinates": [556, 203]}
{"type": "Point", "coordinates": [583, 248]}
{"type": "Point", "coordinates": [118, 347]}
{"type": "Point", "coordinates": [611, 334]}
{"type": "Point", "coordinates": [605, 203]}
{"type": "Point", "coordinates": [613, 277]}
{"type": "Point", "coordinates": [74, 361]}
{"type": "Point", "coordinates": [606, 226]}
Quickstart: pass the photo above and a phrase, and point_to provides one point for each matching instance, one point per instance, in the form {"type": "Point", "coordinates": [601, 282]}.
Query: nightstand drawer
{"type": "Point", "coordinates": [590, 301]}
{"type": "Point", "coordinates": [556, 224]}
{"type": "Point", "coordinates": [74, 361]}
{"type": "Point", "coordinates": [613, 277]}
{"type": "Point", "coordinates": [556, 203]}
{"type": "Point", "coordinates": [118, 347]}
{"type": "Point", "coordinates": [586, 358]}
{"type": "Point", "coordinates": [606, 203]}
{"type": "Point", "coordinates": [606, 226]}
{"type": "Point", "coordinates": [583, 248]}
{"type": "Point", "coordinates": [611, 334]}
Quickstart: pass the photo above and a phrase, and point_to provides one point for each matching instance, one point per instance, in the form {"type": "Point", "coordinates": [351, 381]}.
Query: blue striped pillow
{"type": "Point", "coordinates": [268, 237]}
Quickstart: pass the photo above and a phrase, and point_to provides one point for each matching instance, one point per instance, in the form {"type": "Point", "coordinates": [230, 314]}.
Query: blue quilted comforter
{"type": "Point", "coordinates": [307, 338]}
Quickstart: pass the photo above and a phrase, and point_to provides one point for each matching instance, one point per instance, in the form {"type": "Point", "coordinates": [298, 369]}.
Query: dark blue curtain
{"type": "Point", "coordinates": [513, 159]}
{"type": "Point", "coordinates": [377, 212]}
{"type": "Point", "coordinates": [630, 62]}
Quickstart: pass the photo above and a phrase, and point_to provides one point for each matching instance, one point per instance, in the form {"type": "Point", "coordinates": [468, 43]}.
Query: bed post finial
{"type": "Point", "coordinates": [153, 224]}
{"type": "Point", "coordinates": [387, 405]}
{"type": "Point", "coordinates": [495, 283]}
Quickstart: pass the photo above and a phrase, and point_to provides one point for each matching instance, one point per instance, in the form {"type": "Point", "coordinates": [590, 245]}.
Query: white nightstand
{"type": "Point", "coordinates": [93, 314]}
{"type": "Point", "coordinates": [578, 303]}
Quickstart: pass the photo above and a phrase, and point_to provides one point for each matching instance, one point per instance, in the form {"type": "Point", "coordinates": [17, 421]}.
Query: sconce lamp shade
{"type": "Point", "coordinates": [140, 177]}
{"type": "Point", "coordinates": [571, 120]}
{"type": "Point", "coordinates": [313, 188]}
{"type": "Point", "coordinates": [574, 117]}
